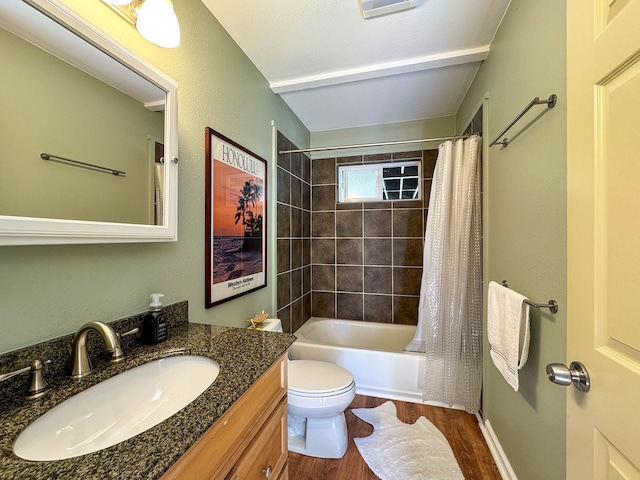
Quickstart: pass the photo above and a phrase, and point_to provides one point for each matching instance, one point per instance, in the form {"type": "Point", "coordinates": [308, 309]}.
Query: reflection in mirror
{"type": "Point", "coordinates": [57, 108]}
{"type": "Point", "coordinates": [376, 182]}
{"type": "Point", "coordinates": [88, 126]}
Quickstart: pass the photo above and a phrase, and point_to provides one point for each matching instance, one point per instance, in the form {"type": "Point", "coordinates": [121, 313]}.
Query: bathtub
{"type": "Point", "coordinates": [373, 352]}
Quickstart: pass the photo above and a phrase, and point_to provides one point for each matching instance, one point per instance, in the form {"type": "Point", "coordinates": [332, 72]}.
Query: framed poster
{"type": "Point", "coordinates": [235, 223]}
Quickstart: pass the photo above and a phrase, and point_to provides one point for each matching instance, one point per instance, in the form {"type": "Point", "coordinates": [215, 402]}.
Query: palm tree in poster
{"type": "Point", "coordinates": [249, 195]}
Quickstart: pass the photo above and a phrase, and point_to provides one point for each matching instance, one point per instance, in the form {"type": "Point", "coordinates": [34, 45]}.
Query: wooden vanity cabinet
{"type": "Point", "coordinates": [249, 441]}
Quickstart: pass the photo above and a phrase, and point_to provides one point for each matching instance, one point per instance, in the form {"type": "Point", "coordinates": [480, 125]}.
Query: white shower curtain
{"type": "Point", "coordinates": [450, 310]}
{"type": "Point", "coordinates": [158, 183]}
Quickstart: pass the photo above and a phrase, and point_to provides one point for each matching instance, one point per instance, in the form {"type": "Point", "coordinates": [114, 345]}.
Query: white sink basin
{"type": "Point", "coordinates": [117, 409]}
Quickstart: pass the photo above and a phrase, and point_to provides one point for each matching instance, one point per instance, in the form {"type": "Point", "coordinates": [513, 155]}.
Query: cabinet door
{"type": "Point", "coordinates": [266, 457]}
{"type": "Point", "coordinates": [285, 473]}
{"type": "Point", "coordinates": [233, 475]}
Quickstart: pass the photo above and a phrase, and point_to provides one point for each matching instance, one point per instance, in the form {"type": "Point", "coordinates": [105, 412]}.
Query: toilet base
{"type": "Point", "coordinates": [324, 437]}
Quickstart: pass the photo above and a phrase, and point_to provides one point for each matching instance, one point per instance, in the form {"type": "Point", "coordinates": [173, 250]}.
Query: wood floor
{"type": "Point", "coordinates": [460, 428]}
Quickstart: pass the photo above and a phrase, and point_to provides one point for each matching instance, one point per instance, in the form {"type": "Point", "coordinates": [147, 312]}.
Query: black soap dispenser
{"type": "Point", "coordinates": [154, 324]}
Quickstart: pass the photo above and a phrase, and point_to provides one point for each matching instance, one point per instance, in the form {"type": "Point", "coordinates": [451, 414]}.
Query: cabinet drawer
{"type": "Point", "coordinates": [266, 456]}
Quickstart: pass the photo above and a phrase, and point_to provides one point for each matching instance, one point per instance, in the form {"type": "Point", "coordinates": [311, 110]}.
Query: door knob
{"type": "Point", "coordinates": [576, 373]}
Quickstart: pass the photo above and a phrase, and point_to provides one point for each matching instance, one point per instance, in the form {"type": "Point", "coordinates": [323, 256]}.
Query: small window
{"type": "Point", "coordinates": [379, 181]}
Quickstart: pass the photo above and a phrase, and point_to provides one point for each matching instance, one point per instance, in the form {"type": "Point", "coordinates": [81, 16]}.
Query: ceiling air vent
{"type": "Point", "coordinates": [375, 8]}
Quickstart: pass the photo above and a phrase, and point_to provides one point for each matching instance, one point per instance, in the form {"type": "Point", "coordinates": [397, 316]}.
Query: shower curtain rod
{"type": "Point", "coordinates": [380, 144]}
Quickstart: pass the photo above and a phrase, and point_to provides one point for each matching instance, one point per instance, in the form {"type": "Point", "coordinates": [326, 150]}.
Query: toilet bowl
{"type": "Point", "coordinates": [318, 395]}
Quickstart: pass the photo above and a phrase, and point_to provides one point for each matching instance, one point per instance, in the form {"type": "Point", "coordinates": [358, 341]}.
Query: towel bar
{"type": "Point", "coordinates": [49, 156]}
{"type": "Point", "coordinates": [551, 102]}
{"type": "Point", "coordinates": [552, 305]}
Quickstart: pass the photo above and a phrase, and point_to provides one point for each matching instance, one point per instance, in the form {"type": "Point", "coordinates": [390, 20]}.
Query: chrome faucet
{"type": "Point", "coordinates": [81, 363]}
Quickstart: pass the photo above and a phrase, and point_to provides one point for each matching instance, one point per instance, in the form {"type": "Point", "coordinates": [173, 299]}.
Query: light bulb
{"type": "Point", "coordinates": [157, 22]}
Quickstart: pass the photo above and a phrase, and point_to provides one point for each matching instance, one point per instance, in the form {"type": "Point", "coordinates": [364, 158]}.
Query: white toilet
{"type": "Point", "coordinates": [319, 393]}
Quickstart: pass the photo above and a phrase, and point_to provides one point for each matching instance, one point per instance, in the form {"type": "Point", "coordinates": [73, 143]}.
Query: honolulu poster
{"type": "Point", "coordinates": [237, 240]}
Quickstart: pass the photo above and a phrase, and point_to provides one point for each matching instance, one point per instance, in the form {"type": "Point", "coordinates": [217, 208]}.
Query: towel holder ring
{"type": "Point", "coordinates": [552, 305]}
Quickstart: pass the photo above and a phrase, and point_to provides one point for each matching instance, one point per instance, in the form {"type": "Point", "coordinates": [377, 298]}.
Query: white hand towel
{"type": "Point", "coordinates": [508, 331]}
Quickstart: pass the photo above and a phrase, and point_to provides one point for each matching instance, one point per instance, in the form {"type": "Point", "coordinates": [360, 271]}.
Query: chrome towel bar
{"type": "Point", "coordinates": [48, 156]}
{"type": "Point", "coordinates": [550, 102]}
{"type": "Point", "coordinates": [552, 305]}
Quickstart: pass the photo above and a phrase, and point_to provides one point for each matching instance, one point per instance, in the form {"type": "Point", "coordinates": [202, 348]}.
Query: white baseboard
{"type": "Point", "coordinates": [502, 462]}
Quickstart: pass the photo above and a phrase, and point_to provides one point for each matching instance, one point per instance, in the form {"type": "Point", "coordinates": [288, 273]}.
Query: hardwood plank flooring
{"type": "Point", "coordinates": [460, 428]}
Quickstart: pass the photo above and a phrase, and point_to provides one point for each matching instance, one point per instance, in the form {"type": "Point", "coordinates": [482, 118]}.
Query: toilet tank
{"type": "Point", "coordinates": [271, 325]}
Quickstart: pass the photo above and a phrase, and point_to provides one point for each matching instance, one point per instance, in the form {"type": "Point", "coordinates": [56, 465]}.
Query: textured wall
{"type": "Point", "coordinates": [525, 224]}
{"type": "Point", "coordinates": [49, 291]}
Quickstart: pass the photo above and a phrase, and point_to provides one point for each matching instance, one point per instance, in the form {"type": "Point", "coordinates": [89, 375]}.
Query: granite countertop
{"type": "Point", "coordinates": [243, 355]}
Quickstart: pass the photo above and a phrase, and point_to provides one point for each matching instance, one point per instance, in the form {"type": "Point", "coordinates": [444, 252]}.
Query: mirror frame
{"type": "Point", "coordinates": [46, 231]}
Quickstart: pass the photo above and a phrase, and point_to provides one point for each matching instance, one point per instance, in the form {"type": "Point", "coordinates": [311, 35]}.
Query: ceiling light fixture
{"type": "Point", "coordinates": [376, 8]}
{"type": "Point", "coordinates": [154, 19]}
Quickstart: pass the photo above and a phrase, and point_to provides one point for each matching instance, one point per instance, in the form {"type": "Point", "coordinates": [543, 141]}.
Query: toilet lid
{"type": "Point", "coordinates": [311, 376]}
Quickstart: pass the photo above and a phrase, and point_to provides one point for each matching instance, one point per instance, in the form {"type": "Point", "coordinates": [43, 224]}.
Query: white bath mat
{"type": "Point", "coordinates": [399, 451]}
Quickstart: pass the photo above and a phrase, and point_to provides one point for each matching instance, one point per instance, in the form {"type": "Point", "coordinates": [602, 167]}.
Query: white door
{"type": "Point", "coordinates": [603, 113]}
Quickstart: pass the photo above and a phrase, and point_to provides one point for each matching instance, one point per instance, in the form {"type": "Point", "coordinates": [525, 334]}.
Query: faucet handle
{"type": "Point", "coordinates": [38, 385]}
{"type": "Point", "coordinates": [126, 334]}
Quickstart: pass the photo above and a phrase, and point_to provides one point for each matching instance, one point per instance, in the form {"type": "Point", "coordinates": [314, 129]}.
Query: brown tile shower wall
{"type": "Point", "coordinates": [294, 237]}
{"type": "Point", "coordinates": [366, 257]}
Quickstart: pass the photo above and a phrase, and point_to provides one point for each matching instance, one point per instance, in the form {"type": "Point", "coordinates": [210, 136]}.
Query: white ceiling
{"type": "Point", "coordinates": [336, 70]}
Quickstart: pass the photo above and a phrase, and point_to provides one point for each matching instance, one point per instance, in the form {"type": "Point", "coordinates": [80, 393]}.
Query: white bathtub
{"type": "Point", "coordinates": [373, 352]}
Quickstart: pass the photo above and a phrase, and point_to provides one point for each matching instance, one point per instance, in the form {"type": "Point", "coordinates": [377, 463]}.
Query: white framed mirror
{"type": "Point", "coordinates": [89, 134]}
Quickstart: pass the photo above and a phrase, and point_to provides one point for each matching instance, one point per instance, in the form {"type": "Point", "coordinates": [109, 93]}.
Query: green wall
{"type": "Point", "coordinates": [525, 224]}
{"type": "Point", "coordinates": [48, 291]}
{"type": "Point", "coordinates": [388, 132]}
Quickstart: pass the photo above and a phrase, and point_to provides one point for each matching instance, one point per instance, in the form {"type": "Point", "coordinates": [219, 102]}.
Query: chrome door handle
{"type": "Point", "coordinates": [576, 373]}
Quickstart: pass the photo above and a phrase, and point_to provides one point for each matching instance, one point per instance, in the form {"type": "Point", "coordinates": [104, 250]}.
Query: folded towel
{"type": "Point", "coordinates": [508, 331]}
